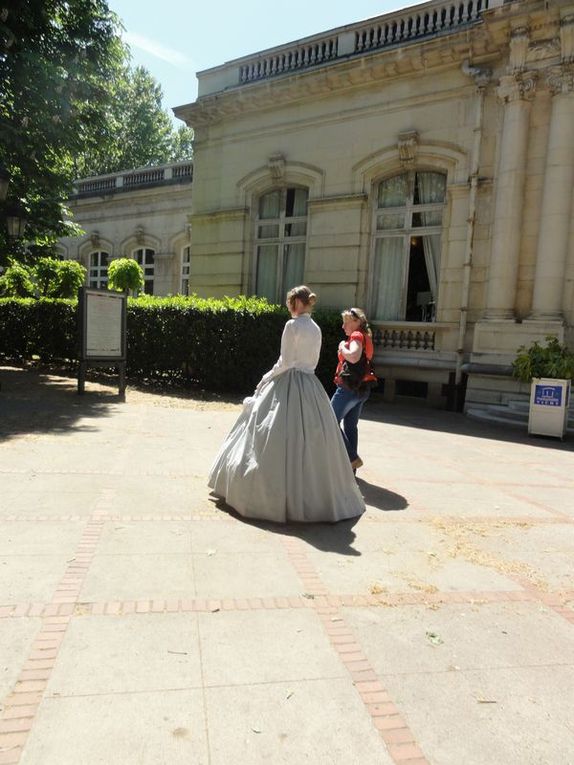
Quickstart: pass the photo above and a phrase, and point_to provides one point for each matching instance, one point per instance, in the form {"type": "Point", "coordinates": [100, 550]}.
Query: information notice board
{"type": "Point", "coordinates": [102, 324]}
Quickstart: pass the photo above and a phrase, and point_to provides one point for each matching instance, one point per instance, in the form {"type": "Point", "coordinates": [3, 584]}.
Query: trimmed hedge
{"type": "Point", "coordinates": [220, 345]}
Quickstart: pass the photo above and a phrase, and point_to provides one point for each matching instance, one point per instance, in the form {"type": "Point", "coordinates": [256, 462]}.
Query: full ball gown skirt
{"type": "Point", "coordinates": [285, 460]}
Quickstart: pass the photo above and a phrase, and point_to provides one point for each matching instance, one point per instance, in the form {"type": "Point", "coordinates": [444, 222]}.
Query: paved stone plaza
{"type": "Point", "coordinates": [141, 623]}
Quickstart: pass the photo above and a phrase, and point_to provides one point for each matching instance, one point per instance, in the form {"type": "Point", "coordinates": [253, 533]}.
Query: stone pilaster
{"type": "Point", "coordinates": [553, 238]}
{"type": "Point", "coordinates": [515, 91]}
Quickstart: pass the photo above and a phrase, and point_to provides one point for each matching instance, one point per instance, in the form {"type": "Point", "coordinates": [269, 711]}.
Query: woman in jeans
{"type": "Point", "coordinates": [347, 403]}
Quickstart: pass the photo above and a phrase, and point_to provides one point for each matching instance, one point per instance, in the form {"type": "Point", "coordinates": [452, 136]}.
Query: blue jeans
{"type": "Point", "coordinates": [347, 407]}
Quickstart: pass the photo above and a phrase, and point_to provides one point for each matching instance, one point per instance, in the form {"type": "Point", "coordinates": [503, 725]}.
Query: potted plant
{"type": "Point", "coordinates": [549, 369]}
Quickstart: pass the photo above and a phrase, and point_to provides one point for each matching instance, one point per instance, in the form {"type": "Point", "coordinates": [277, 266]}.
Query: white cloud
{"type": "Point", "coordinates": [154, 48]}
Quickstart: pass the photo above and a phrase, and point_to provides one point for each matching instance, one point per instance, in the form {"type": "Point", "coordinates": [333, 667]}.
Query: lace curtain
{"type": "Point", "coordinates": [388, 278]}
{"type": "Point", "coordinates": [293, 265]}
{"type": "Point", "coordinates": [431, 188]}
{"type": "Point", "coordinates": [267, 271]}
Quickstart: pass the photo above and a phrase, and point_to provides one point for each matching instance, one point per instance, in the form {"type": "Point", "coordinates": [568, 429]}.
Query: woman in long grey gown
{"type": "Point", "coordinates": [285, 459]}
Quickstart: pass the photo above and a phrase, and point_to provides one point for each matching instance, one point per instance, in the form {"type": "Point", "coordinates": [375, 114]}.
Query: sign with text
{"type": "Point", "coordinates": [102, 321]}
{"type": "Point", "coordinates": [548, 395]}
{"type": "Point", "coordinates": [102, 318]}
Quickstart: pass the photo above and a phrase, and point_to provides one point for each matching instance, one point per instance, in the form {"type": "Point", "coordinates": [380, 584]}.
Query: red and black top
{"type": "Point", "coordinates": [366, 343]}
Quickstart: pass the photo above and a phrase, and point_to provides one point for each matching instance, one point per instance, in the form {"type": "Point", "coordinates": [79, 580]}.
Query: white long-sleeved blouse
{"type": "Point", "coordinates": [300, 348]}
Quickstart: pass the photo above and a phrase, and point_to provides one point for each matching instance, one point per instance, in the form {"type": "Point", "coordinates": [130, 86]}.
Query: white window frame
{"type": "Point", "coordinates": [146, 266]}
{"type": "Point", "coordinates": [185, 269]}
{"type": "Point", "coordinates": [282, 241]}
{"type": "Point", "coordinates": [98, 274]}
{"type": "Point", "coordinates": [406, 232]}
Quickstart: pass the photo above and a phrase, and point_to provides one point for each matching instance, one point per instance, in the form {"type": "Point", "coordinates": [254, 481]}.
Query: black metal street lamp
{"type": "Point", "coordinates": [16, 221]}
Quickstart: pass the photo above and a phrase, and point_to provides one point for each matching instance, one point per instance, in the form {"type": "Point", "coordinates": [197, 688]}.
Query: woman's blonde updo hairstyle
{"type": "Point", "coordinates": [303, 294]}
{"type": "Point", "coordinates": [358, 313]}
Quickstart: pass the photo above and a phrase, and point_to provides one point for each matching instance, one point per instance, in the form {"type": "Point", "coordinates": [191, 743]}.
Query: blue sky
{"type": "Point", "coordinates": [174, 39]}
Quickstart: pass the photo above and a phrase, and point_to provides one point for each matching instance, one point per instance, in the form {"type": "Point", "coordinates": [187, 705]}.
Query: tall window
{"type": "Point", "coordinates": [185, 269]}
{"type": "Point", "coordinates": [280, 242]}
{"type": "Point", "coordinates": [98, 274]}
{"type": "Point", "coordinates": [408, 225]}
{"type": "Point", "coordinates": [145, 257]}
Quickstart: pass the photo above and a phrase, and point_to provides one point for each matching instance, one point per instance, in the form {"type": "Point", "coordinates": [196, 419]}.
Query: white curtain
{"type": "Point", "coordinates": [293, 265]}
{"type": "Point", "coordinates": [269, 205]}
{"type": "Point", "coordinates": [388, 278]}
{"type": "Point", "coordinates": [267, 272]}
{"type": "Point", "coordinates": [300, 203]}
{"type": "Point", "coordinates": [393, 192]}
{"type": "Point", "coordinates": [432, 187]}
{"type": "Point", "coordinates": [431, 245]}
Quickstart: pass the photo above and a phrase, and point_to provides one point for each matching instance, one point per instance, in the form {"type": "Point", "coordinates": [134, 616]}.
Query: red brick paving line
{"type": "Point", "coordinates": [385, 716]}
{"type": "Point", "coordinates": [22, 703]}
{"type": "Point", "coordinates": [424, 516]}
{"type": "Point", "coordinates": [318, 598]}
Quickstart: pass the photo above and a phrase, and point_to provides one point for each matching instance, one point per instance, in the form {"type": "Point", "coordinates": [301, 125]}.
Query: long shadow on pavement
{"type": "Point", "coordinates": [328, 537]}
{"type": "Point", "coordinates": [34, 403]}
{"type": "Point", "coordinates": [421, 417]}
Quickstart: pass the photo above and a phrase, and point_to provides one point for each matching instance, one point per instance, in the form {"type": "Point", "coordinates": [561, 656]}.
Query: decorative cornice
{"type": "Point", "coordinates": [517, 87]}
{"type": "Point", "coordinates": [338, 76]}
{"type": "Point", "coordinates": [343, 200]}
{"type": "Point", "coordinates": [215, 216]}
{"type": "Point", "coordinates": [519, 40]}
{"type": "Point", "coordinates": [567, 38]}
{"type": "Point", "coordinates": [560, 79]}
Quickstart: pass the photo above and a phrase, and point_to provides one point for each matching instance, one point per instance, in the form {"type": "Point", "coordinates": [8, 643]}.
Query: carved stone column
{"type": "Point", "coordinates": [515, 90]}
{"type": "Point", "coordinates": [553, 236]}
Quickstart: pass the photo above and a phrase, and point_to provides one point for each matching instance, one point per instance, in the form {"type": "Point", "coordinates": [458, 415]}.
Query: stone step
{"type": "Point", "coordinates": [503, 416]}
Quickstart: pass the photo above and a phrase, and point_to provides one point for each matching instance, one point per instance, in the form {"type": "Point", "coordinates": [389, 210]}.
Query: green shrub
{"type": "Point", "coordinates": [553, 360]}
{"type": "Point", "coordinates": [220, 345]}
{"type": "Point", "coordinates": [125, 275]}
{"type": "Point", "coordinates": [17, 281]}
{"type": "Point", "coordinates": [59, 278]}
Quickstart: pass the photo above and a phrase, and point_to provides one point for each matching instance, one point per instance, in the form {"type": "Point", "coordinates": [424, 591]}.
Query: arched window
{"type": "Point", "coordinates": [408, 226]}
{"type": "Point", "coordinates": [185, 269]}
{"type": "Point", "coordinates": [145, 257]}
{"type": "Point", "coordinates": [98, 273]}
{"type": "Point", "coordinates": [281, 235]}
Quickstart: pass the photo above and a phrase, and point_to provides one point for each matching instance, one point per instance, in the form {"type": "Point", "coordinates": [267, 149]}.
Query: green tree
{"type": "Point", "coordinates": [124, 275]}
{"type": "Point", "coordinates": [58, 278]}
{"type": "Point", "coordinates": [58, 61]}
{"type": "Point", "coordinates": [17, 281]}
{"type": "Point", "coordinates": [138, 132]}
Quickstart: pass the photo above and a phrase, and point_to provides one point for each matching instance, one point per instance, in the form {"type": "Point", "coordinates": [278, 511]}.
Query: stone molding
{"type": "Point", "coordinates": [517, 87]}
{"type": "Point", "coordinates": [519, 40]}
{"type": "Point", "coordinates": [567, 38]}
{"type": "Point", "coordinates": [276, 165]}
{"type": "Point", "coordinates": [407, 146]}
{"type": "Point", "coordinates": [366, 70]}
{"type": "Point", "coordinates": [560, 79]}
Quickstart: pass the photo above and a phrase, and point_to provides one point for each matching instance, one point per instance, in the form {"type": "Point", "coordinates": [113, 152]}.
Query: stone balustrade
{"type": "Point", "coordinates": [406, 335]}
{"type": "Point", "coordinates": [399, 28]}
{"type": "Point", "coordinates": [130, 180]}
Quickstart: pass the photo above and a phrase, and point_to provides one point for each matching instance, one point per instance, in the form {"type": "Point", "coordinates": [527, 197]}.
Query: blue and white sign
{"type": "Point", "coordinates": [548, 395]}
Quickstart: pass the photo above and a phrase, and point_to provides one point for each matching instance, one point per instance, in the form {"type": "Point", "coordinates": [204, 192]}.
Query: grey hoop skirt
{"type": "Point", "coordinates": [284, 459]}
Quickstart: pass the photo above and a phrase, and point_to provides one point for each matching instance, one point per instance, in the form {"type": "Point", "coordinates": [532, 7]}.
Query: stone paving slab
{"type": "Point", "coordinates": [143, 622]}
{"type": "Point", "coordinates": [120, 729]}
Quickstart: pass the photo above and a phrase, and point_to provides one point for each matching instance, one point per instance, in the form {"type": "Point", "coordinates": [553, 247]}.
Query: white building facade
{"type": "Point", "coordinates": [141, 214]}
{"type": "Point", "coordinates": [419, 164]}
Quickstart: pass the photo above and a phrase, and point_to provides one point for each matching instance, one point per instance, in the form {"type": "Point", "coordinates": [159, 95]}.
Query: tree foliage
{"type": "Point", "coordinates": [71, 105]}
{"type": "Point", "coordinates": [48, 277]}
{"type": "Point", "coordinates": [138, 132]}
{"type": "Point", "coordinates": [125, 275]}
{"type": "Point", "coordinates": [57, 59]}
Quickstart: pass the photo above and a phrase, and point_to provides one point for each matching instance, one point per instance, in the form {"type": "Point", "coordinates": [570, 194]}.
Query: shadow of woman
{"type": "Point", "coordinates": [383, 499]}
{"type": "Point", "coordinates": [329, 537]}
